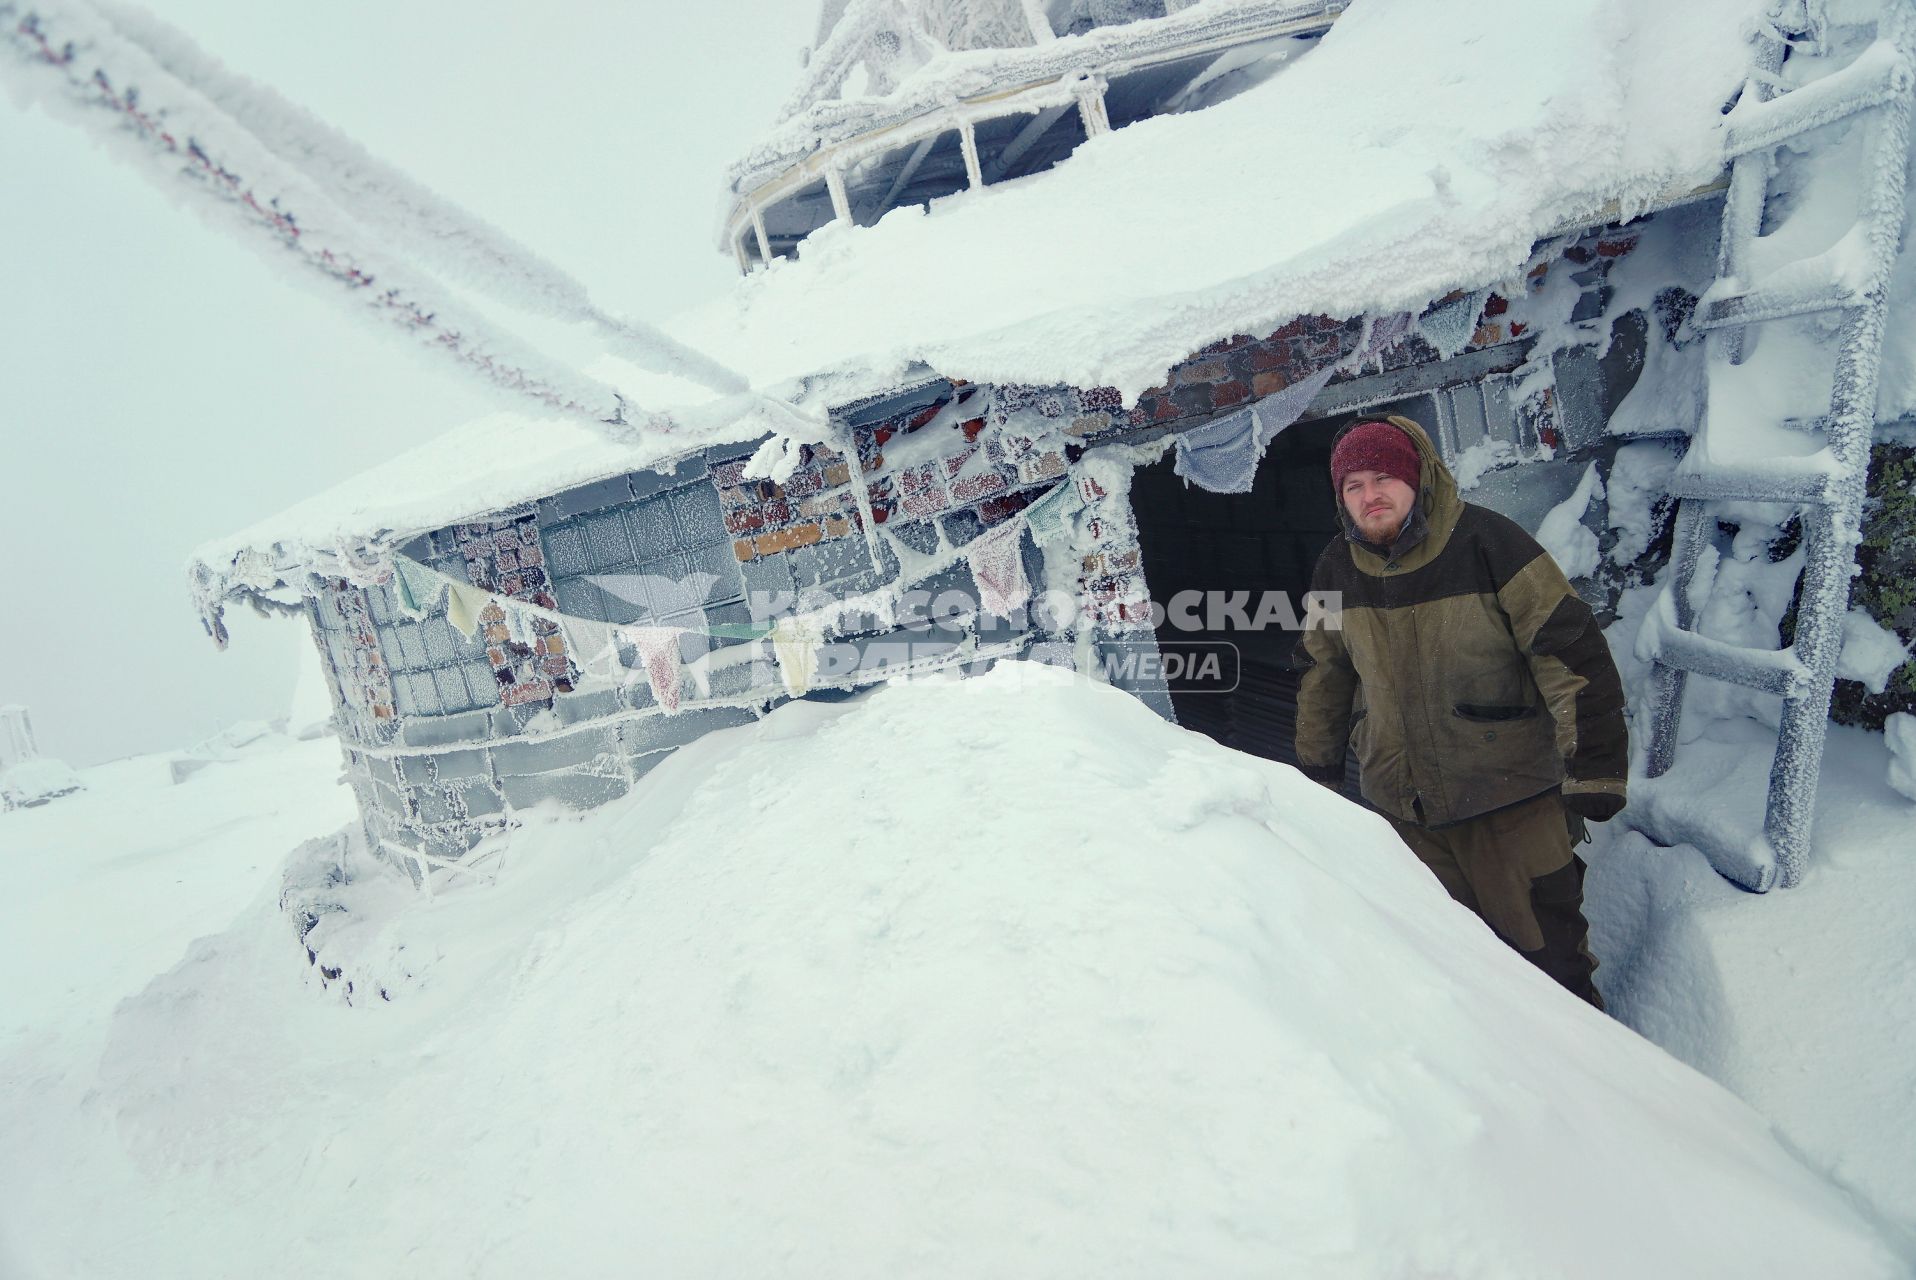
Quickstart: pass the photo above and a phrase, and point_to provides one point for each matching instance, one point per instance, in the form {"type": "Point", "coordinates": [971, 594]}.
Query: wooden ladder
{"type": "Point", "coordinates": [1827, 485]}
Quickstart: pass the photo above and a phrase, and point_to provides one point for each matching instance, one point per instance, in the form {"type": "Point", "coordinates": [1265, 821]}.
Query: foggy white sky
{"type": "Point", "coordinates": [162, 384]}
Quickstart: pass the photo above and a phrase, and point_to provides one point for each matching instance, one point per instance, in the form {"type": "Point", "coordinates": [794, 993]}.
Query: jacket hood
{"type": "Point", "coordinates": [1432, 518]}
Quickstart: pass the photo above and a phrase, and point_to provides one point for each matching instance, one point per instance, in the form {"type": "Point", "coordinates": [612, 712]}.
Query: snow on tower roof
{"type": "Point", "coordinates": [1422, 146]}
{"type": "Point", "coordinates": [885, 61]}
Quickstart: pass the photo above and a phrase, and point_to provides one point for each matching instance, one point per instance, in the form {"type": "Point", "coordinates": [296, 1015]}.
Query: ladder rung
{"type": "Point", "coordinates": [1777, 671]}
{"type": "Point", "coordinates": [1760, 304]}
{"type": "Point", "coordinates": [1753, 486]}
{"type": "Point", "coordinates": [1876, 76]}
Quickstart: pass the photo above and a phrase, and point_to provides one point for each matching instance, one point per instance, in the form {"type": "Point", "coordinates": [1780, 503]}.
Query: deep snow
{"type": "Point", "coordinates": [998, 977]}
{"type": "Point", "coordinates": [1803, 1001]}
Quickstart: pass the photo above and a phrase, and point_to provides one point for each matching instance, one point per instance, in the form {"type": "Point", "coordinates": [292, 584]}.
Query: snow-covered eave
{"type": "Point", "coordinates": [996, 81]}
{"type": "Point", "coordinates": [351, 531]}
{"type": "Point", "coordinates": [1614, 209]}
{"type": "Point", "coordinates": [343, 534]}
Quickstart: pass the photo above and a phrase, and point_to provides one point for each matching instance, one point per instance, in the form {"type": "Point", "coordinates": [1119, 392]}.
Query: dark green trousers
{"type": "Point", "coordinates": [1516, 870]}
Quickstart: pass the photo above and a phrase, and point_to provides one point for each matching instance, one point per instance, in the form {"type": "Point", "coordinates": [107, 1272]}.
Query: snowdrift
{"type": "Point", "coordinates": [1001, 977]}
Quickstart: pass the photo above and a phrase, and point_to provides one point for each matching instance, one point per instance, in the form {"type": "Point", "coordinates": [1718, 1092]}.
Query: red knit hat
{"type": "Point", "coordinates": [1376, 446]}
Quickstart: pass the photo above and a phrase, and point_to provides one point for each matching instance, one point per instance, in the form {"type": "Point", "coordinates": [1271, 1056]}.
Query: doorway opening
{"type": "Point", "coordinates": [1223, 545]}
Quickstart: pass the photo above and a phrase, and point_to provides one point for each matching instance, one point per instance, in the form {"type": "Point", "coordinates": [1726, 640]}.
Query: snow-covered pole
{"type": "Point", "coordinates": [1090, 94]}
{"type": "Point", "coordinates": [241, 186]}
{"type": "Point", "coordinates": [841, 202]}
{"type": "Point", "coordinates": [1036, 19]}
{"type": "Point", "coordinates": [1749, 184]}
{"type": "Point", "coordinates": [968, 142]}
{"type": "Point", "coordinates": [403, 213]}
{"type": "Point", "coordinates": [764, 241]}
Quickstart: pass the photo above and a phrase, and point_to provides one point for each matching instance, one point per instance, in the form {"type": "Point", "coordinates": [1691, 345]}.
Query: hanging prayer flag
{"type": "Point", "coordinates": [1223, 456]}
{"type": "Point", "coordinates": [659, 652]}
{"type": "Point", "coordinates": [1449, 328]}
{"type": "Point", "coordinates": [795, 642]}
{"type": "Point", "coordinates": [416, 586]}
{"type": "Point", "coordinates": [998, 567]}
{"type": "Point", "coordinates": [1050, 515]}
{"type": "Point", "coordinates": [464, 604]}
{"type": "Point", "coordinates": [594, 649]}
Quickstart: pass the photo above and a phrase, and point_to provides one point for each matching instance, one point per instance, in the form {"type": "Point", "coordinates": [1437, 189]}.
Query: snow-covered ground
{"type": "Point", "coordinates": [1006, 977]}
{"type": "Point", "coordinates": [1802, 1001]}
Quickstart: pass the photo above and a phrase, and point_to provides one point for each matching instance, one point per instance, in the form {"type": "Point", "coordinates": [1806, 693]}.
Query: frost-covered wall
{"type": "Point", "coordinates": [447, 734]}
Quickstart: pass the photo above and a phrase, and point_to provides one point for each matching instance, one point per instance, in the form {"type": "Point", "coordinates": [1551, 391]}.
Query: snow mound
{"type": "Point", "coordinates": [36, 781]}
{"type": "Point", "coordinates": [1000, 977]}
{"type": "Point", "coordinates": [1563, 533]}
{"type": "Point", "coordinates": [1871, 652]}
{"type": "Point", "coordinates": [1801, 1001]}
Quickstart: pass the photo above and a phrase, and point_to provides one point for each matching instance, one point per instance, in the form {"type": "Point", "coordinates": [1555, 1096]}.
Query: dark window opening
{"type": "Point", "coordinates": [795, 217]}
{"type": "Point", "coordinates": [1017, 146]}
{"type": "Point", "coordinates": [916, 173]}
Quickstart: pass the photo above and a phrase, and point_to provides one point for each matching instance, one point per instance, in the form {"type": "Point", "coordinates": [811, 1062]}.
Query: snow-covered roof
{"type": "Point", "coordinates": [885, 62]}
{"type": "Point", "coordinates": [488, 464]}
{"type": "Point", "coordinates": [1422, 146]}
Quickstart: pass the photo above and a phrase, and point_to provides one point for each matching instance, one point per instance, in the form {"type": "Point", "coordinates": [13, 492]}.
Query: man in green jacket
{"type": "Point", "coordinates": [1475, 688]}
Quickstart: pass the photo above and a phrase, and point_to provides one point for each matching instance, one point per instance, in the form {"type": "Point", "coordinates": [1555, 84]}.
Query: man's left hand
{"type": "Point", "coordinates": [1593, 806]}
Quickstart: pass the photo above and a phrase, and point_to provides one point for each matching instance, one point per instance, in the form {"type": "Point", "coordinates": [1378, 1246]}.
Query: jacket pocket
{"type": "Point", "coordinates": [1492, 713]}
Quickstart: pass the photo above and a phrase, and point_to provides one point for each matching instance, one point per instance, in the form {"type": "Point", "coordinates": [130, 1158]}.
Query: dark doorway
{"type": "Point", "coordinates": [1267, 540]}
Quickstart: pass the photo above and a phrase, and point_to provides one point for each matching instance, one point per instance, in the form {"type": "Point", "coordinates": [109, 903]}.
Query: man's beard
{"type": "Point", "coordinates": [1380, 528]}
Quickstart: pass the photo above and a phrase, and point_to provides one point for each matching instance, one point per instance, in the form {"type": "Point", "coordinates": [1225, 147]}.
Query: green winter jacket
{"type": "Point", "coordinates": [1467, 675]}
